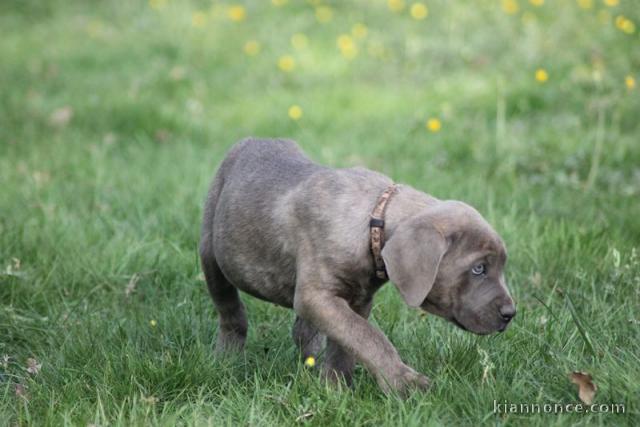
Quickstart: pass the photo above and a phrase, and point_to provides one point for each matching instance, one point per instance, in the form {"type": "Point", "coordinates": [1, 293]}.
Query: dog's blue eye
{"type": "Point", "coordinates": [479, 269]}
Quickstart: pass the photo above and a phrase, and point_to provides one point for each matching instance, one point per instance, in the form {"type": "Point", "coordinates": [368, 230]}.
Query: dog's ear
{"type": "Point", "coordinates": [412, 256]}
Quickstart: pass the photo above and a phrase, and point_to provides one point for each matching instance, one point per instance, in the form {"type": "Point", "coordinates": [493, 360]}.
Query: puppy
{"type": "Point", "coordinates": [322, 241]}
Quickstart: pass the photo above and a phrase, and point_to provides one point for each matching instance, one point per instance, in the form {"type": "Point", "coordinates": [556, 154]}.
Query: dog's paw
{"type": "Point", "coordinates": [228, 343]}
{"type": "Point", "coordinates": [405, 382]}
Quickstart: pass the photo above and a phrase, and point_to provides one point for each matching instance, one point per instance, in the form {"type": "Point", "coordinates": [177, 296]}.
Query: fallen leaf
{"type": "Point", "coordinates": [131, 286]}
{"type": "Point", "coordinates": [61, 116]}
{"type": "Point", "coordinates": [33, 367]}
{"type": "Point", "coordinates": [151, 400]}
{"type": "Point", "coordinates": [21, 391]}
{"type": "Point", "coordinates": [586, 387]}
{"type": "Point", "coordinates": [304, 416]}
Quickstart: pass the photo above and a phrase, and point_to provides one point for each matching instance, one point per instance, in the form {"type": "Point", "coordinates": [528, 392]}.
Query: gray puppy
{"type": "Point", "coordinates": [287, 230]}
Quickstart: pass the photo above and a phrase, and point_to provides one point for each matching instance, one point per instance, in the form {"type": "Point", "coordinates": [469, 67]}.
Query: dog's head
{"type": "Point", "coordinates": [449, 261]}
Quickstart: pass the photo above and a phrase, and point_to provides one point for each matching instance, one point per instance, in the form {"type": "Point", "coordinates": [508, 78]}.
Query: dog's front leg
{"type": "Point", "coordinates": [333, 317]}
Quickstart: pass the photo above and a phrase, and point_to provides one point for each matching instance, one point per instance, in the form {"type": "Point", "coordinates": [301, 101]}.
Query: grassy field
{"type": "Point", "coordinates": [115, 114]}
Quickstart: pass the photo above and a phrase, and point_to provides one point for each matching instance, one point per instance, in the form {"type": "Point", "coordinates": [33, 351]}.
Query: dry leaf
{"type": "Point", "coordinates": [21, 391]}
{"type": "Point", "coordinates": [33, 367]}
{"type": "Point", "coordinates": [304, 416]}
{"type": "Point", "coordinates": [61, 117]}
{"type": "Point", "coordinates": [586, 387]}
{"type": "Point", "coordinates": [131, 286]}
{"type": "Point", "coordinates": [151, 400]}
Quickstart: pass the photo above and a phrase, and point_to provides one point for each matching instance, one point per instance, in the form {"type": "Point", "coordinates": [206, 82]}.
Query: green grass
{"type": "Point", "coordinates": [111, 200]}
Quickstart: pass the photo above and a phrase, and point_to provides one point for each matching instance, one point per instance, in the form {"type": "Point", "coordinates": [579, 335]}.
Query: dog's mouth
{"type": "Point", "coordinates": [458, 324]}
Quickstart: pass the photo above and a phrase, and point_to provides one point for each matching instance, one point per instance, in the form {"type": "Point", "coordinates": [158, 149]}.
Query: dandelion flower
{"type": "Point", "coordinates": [310, 362]}
{"type": "Point", "coordinates": [395, 5]}
{"type": "Point", "coordinates": [585, 4]}
{"type": "Point", "coordinates": [510, 7]}
{"type": "Point", "coordinates": [629, 27]}
{"type": "Point", "coordinates": [359, 31]}
{"type": "Point", "coordinates": [251, 48]}
{"type": "Point", "coordinates": [347, 46]}
{"type": "Point", "coordinates": [299, 41]}
{"type": "Point", "coordinates": [153, 323]}
{"type": "Point", "coordinates": [630, 82]}
{"type": "Point", "coordinates": [433, 125]}
{"type": "Point", "coordinates": [286, 63]}
{"type": "Point", "coordinates": [278, 3]}
{"type": "Point", "coordinates": [419, 11]}
{"type": "Point", "coordinates": [198, 19]}
{"type": "Point", "coordinates": [541, 75]}
{"type": "Point", "coordinates": [295, 112]}
{"type": "Point", "coordinates": [157, 4]}
{"type": "Point", "coordinates": [537, 3]}
{"type": "Point", "coordinates": [611, 3]}
{"type": "Point", "coordinates": [237, 13]}
{"type": "Point", "coordinates": [625, 25]}
{"type": "Point", "coordinates": [324, 14]}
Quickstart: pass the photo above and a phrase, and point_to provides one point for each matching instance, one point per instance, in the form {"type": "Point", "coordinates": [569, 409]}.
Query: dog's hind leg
{"type": "Point", "coordinates": [232, 320]}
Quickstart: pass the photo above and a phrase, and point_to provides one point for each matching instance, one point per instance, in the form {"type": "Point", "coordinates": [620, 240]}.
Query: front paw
{"type": "Point", "coordinates": [404, 382]}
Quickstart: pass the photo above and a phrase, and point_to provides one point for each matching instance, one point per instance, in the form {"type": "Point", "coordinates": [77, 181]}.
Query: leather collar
{"type": "Point", "coordinates": [376, 231]}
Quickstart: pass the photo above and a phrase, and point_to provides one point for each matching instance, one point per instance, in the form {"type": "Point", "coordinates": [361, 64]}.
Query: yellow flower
{"type": "Point", "coordinates": [251, 48]}
{"type": "Point", "coordinates": [237, 13]}
{"type": "Point", "coordinates": [345, 41]}
{"type": "Point", "coordinates": [585, 4]}
{"type": "Point", "coordinates": [419, 11]}
{"type": "Point", "coordinates": [278, 3]}
{"type": "Point", "coordinates": [310, 362]}
{"type": "Point", "coordinates": [433, 125]}
{"type": "Point", "coordinates": [541, 75]}
{"type": "Point", "coordinates": [625, 25]}
{"type": "Point", "coordinates": [611, 3]}
{"type": "Point", "coordinates": [536, 2]}
{"type": "Point", "coordinates": [299, 41]}
{"type": "Point", "coordinates": [629, 27]}
{"type": "Point", "coordinates": [359, 31]}
{"type": "Point", "coordinates": [198, 19]}
{"type": "Point", "coordinates": [396, 5]}
{"type": "Point", "coordinates": [630, 82]}
{"type": "Point", "coordinates": [295, 112]}
{"type": "Point", "coordinates": [324, 14]}
{"type": "Point", "coordinates": [510, 7]}
{"type": "Point", "coordinates": [153, 323]}
{"type": "Point", "coordinates": [347, 46]}
{"type": "Point", "coordinates": [157, 4]}
{"type": "Point", "coordinates": [286, 63]}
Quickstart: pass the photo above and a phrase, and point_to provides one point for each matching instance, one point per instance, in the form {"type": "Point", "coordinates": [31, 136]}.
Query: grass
{"type": "Point", "coordinates": [114, 116]}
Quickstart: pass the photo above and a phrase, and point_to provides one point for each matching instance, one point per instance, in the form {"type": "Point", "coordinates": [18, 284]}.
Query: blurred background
{"type": "Point", "coordinates": [115, 114]}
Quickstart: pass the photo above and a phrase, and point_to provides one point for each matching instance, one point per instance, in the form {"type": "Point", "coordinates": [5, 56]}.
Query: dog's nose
{"type": "Point", "coordinates": [507, 312]}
